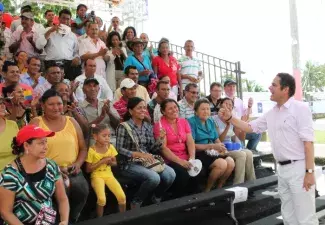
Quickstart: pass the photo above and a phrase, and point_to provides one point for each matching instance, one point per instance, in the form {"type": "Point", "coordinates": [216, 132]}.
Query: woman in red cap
{"type": "Point", "coordinates": [28, 184]}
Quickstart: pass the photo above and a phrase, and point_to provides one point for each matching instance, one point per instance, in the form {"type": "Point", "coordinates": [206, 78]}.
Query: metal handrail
{"type": "Point", "coordinates": [214, 69]}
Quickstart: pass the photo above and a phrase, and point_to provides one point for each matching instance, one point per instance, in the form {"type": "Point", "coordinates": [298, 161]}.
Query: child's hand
{"type": "Point", "coordinates": [107, 160]}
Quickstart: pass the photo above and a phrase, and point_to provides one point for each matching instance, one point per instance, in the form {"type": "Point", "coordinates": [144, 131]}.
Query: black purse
{"type": "Point", "coordinates": [47, 215]}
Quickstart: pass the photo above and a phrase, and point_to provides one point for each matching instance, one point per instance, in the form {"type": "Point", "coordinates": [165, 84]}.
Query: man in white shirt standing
{"type": "Point", "coordinates": [61, 46]}
{"type": "Point", "coordinates": [242, 112]}
{"type": "Point", "coordinates": [24, 39]}
{"type": "Point", "coordinates": [290, 128]}
{"type": "Point", "coordinates": [190, 71]}
{"type": "Point", "coordinates": [93, 47]}
{"type": "Point", "coordinates": [115, 26]}
{"type": "Point", "coordinates": [105, 91]}
{"type": "Point", "coordinates": [15, 24]}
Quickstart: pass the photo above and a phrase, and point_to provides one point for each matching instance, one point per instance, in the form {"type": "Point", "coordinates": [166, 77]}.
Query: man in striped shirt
{"type": "Point", "coordinates": [190, 71]}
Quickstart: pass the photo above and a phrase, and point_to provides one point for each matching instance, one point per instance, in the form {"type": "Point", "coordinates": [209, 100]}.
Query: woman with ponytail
{"type": "Point", "coordinates": [31, 181]}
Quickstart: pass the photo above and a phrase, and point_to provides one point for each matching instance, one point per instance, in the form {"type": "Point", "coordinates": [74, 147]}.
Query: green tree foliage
{"type": "Point", "coordinates": [38, 9]}
{"type": "Point", "coordinates": [313, 78]}
{"type": "Point", "coordinates": [251, 86]}
{"type": "Point", "coordinates": [10, 6]}
{"type": "Point", "coordinates": [247, 85]}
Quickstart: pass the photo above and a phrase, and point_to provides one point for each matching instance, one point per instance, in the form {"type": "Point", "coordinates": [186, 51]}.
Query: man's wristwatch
{"type": "Point", "coordinates": [310, 171]}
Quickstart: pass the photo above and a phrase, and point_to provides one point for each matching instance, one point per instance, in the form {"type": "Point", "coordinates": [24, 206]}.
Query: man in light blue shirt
{"type": "Point", "coordinates": [33, 76]}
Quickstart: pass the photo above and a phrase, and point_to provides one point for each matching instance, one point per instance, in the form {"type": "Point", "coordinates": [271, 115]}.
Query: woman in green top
{"type": "Point", "coordinates": [28, 184]}
{"type": "Point", "coordinates": [8, 130]}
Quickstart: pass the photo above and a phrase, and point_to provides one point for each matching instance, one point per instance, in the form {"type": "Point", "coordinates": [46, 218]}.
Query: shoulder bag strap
{"type": "Point", "coordinates": [129, 130]}
{"type": "Point", "coordinates": [30, 183]}
{"type": "Point", "coordinates": [139, 62]}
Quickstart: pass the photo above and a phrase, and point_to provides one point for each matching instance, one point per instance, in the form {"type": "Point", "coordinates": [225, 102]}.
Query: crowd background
{"type": "Point", "coordinates": [77, 101]}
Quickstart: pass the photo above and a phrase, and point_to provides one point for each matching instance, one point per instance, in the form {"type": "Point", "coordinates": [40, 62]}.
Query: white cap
{"type": "Point", "coordinates": [127, 83]}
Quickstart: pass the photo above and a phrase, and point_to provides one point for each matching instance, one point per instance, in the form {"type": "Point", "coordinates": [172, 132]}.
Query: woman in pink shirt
{"type": "Point", "coordinates": [178, 146]}
{"type": "Point", "coordinates": [166, 64]}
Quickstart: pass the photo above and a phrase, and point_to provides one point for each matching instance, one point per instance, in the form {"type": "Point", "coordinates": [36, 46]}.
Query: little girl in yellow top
{"type": "Point", "coordinates": [101, 156]}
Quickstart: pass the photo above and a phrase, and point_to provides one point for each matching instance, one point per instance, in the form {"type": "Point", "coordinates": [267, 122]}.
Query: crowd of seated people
{"type": "Point", "coordinates": [77, 100]}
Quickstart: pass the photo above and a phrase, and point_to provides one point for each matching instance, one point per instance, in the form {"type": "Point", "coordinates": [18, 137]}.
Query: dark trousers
{"type": "Point", "coordinates": [70, 72]}
{"type": "Point", "coordinates": [77, 194]}
{"type": "Point", "coordinates": [183, 184]}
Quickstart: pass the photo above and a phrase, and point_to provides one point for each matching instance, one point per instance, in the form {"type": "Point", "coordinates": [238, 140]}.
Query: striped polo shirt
{"type": "Point", "coordinates": [189, 66]}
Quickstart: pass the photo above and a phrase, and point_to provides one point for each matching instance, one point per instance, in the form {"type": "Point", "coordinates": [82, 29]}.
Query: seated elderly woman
{"type": "Point", "coordinates": [31, 181]}
{"type": "Point", "coordinates": [209, 148]}
{"type": "Point", "coordinates": [178, 147]}
{"type": "Point", "coordinates": [67, 148]}
{"type": "Point", "coordinates": [227, 133]}
{"type": "Point", "coordinates": [135, 143]}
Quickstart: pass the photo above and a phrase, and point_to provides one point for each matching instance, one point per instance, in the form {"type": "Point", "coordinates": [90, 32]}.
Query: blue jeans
{"type": "Point", "coordinates": [253, 140]}
{"type": "Point", "coordinates": [151, 182]}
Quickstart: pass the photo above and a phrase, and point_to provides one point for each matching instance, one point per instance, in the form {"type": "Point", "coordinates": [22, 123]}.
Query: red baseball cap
{"type": "Point", "coordinates": [32, 131]}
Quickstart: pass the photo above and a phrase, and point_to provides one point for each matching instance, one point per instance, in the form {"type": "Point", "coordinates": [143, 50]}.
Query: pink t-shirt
{"type": "Point", "coordinates": [175, 142]}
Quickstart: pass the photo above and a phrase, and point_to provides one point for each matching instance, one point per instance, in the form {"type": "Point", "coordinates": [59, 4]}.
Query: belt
{"type": "Point", "coordinates": [282, 163]}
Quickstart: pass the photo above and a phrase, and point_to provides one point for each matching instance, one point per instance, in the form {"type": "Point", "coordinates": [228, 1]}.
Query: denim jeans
{"type": "Point", "coordinates": [151, 182]}
{"type": "Point", "coordinates": [77, 194]}
{"type": "Point", "coordinates": [253, 140]}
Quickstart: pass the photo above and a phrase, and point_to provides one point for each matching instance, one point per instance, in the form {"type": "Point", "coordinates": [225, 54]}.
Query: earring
{"type": "Point", "coordinates": [26, 152]}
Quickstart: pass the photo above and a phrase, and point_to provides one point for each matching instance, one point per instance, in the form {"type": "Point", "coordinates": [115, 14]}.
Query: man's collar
{"type": "Point", "coordinates": [186, 102]}
{"type": "Point", "coordinates": [287, 104]}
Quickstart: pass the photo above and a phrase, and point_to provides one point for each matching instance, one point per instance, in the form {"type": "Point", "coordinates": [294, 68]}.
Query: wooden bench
{"type": "Point", "coordinates": [182, 204]}
{"type": "Point", "coordinates": [274, 220]}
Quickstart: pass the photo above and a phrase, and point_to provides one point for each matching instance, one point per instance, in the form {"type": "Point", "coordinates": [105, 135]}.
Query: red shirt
{"type": "Point", "coordinates": [121, 107]}
{"type": "Point", "coordinates": [169, 70]}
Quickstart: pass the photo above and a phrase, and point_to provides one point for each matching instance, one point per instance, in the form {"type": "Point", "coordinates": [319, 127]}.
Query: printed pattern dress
{"type": "Point", "coordinates": [27, 206]}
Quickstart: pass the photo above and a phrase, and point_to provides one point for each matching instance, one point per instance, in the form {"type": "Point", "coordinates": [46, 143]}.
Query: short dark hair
{"type": "Point", "coordinates": [199, 102]}
{"type": "Point", "coordinates": [160, 83]}
{"type": "Point", "coordinates": [65, 11]}
{"type": "Point", "coordinates": [80, 6]}
{"type": "Point", "coordinates": [286, 80]}
{"type": "Point", "coordinates": [190, 85]}
{"type": "Point", "coordinates": [164, 103]}
{"type": "Point", "coordinates": [26, 8]}
{"type": "Point", "coordinates": [215, 84]}
{"type": "Point", "coordinates": [48, 11]}
{"type": "Point", "coordinates": [128, 68]}
{"type": "Point", "coordinates": [51, 66]}
{"type": "Point", "coordinates": [126, 31]}
{"type": "Point", "coordinates": [85, 63]}
{"type": "Point", "coordinates": [6, 64]}
{"type": "Point", "coordinates": [32, 57]}
{"type": "Point", "coordinates": [49, 94]}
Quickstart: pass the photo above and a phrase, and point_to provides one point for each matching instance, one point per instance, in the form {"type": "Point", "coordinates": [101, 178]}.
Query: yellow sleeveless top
{"type": "Point", "coordinates": [63, 147]}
